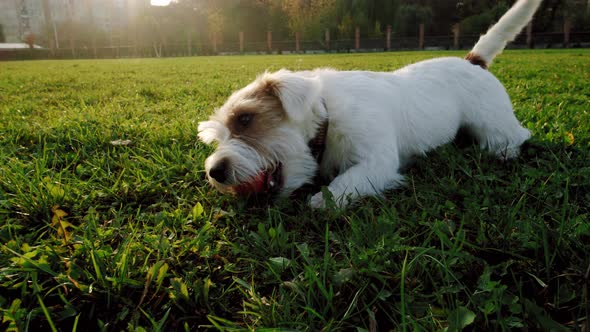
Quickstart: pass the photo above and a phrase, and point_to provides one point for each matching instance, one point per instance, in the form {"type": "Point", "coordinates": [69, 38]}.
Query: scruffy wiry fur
{"type": "Point", "coordinates": [377, 120]}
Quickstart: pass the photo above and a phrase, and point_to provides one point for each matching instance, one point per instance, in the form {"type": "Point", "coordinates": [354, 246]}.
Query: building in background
{"type": "Point", "coordinates": [22, 18]}
{"type": "Point", "coordinates": [17, 18]}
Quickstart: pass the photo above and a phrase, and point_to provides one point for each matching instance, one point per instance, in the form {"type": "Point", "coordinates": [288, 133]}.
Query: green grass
{"type": "Point", "coordinates": [147, 244]}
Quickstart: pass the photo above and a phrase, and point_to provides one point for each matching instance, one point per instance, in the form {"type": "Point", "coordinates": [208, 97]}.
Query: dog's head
{"type": "Point", "coordinates": [262, 134]}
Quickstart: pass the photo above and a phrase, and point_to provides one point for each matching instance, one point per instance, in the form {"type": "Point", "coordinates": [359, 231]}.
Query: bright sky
{"type": "Point", "coordinates": [160, 2]}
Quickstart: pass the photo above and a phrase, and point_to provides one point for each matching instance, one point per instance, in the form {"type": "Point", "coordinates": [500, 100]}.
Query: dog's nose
{"type": "Point", "coordinates": [218, 171]}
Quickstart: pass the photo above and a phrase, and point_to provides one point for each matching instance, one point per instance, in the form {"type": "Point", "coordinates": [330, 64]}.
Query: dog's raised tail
{"type": "Point", "coordinates": [504, 31]}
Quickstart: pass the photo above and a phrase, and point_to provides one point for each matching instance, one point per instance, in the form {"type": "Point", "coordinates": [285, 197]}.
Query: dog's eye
{"type": "Point", "coordinates": [245, 119]}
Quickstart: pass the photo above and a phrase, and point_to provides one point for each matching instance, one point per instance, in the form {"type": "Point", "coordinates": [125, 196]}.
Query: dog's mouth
{"type": "Point", "coordinates": [268, 181]}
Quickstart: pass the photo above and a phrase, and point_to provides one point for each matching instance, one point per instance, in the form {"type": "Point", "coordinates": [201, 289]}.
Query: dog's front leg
{"type": "Point", "coordinates": [367, 178]}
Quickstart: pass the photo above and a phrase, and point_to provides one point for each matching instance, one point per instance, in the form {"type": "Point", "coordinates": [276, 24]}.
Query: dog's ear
{"type": "Point", "coordinates": [296, 92]}
{"type": "Point", "coordinates": [212, 131]}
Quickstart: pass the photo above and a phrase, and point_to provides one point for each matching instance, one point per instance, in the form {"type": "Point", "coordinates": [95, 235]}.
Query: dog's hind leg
{"type": "Point", "coordinates": [493, 123]}
{"type": "Point", "coordinates": [504, 142]}
{"type": "Point", "coordinates": [503, 136]}
{"type": "Point", "coordinates": [506, 145]}
{"type": "Point", "coordinates": [369, 177]}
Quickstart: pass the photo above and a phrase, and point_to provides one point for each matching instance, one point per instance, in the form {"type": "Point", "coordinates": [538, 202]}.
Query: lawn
{"type": "Point", "coordinates": [107, 222]}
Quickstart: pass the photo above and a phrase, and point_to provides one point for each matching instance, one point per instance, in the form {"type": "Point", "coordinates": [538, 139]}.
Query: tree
{"type": "Point", "coordinates": [346, 27]}
{"type": "Point", "coordinates": [409, 17]}
{"type": "Point", "coordinates": [309, 17]}
{"type": "Point", "coordinates": [479, 23]}
{"type": "Point", "coordinates": [151, 29]}
{"type": "Point", "coordinates": [49, 31]}
{"type": "Point", "coordinates": [576, 12]}
{"type": "Point", "coordinates": [216, 22]}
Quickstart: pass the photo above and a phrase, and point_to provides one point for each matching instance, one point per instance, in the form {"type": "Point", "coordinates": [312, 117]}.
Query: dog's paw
{"type": "Point", "coordinates": [317, 201]}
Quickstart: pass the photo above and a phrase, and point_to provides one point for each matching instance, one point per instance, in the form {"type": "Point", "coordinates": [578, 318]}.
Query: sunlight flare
{"type": "Point", "coordinates": [160, 2]}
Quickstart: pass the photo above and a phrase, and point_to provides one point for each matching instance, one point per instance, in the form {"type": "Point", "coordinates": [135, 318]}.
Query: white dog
{"type": "Point", "coordinates": [358, 128]}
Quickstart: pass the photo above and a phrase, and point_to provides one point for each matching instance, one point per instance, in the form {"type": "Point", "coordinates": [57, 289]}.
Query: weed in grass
{"type": "Point", "coordinates": [103, 236]}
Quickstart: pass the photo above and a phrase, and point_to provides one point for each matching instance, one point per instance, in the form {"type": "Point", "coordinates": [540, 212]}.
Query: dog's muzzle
{"type": "Point", "coordinates": [268, 181]}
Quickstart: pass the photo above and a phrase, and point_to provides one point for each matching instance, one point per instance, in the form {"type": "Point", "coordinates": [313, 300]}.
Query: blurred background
{"type": "Point", "coordinates": [159, 28]}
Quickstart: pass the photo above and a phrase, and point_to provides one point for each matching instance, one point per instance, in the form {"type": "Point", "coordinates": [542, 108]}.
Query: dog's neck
{"type": "Point", "coordinates": [317, 144]}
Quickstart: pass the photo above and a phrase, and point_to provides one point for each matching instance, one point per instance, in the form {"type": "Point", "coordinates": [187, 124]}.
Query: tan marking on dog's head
{"type": "Point", "coordinates": [477, 60]}
{"type": "Point", "coordinates": [256, 114]}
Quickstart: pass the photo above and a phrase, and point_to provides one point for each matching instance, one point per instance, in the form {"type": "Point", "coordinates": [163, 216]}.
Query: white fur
{"type": "Point", "coordinates": [377, 121]}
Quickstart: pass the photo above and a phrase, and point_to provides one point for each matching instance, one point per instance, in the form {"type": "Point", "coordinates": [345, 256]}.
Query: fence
{"type": "Point", "coordinates": [240, 46]}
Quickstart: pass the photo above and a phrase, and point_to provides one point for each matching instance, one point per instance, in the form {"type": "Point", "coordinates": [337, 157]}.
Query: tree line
{"type": "Point", "coordinates": [199, 23]}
